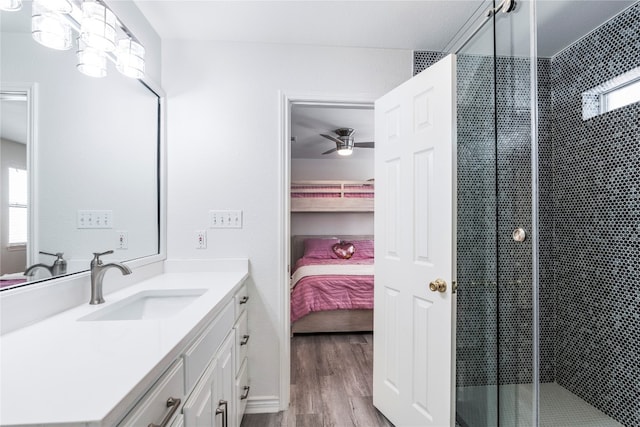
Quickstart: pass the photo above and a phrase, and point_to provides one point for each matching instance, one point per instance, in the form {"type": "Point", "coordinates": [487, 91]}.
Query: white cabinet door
{"type": "Point", "coordinates": [212, 402]}
{"type": "Point", "coordinates": [226, 380]}
{"type": "Point", "coordinates": [200, 408]}
{"type": "Point", "coordinates": [414, 269]}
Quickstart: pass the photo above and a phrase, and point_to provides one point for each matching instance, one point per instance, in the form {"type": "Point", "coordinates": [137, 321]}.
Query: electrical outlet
{"type": "Point", "coordinates": [201, 239]}
{"type": "Point", "coordinates": [95, 219]}
{"type": "Point", "coordinates": [225, 219]}
{"type": "Point", "coordinates": [123, 240]}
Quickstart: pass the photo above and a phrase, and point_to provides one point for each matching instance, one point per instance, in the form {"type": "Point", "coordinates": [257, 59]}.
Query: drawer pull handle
{"type": "Point", "coordinates": [173, 404]}
{"type": "Point", "coordinates": [244, 299]}
{"type": "Point", "coordinates": [222, 411]}
{"type": "Point", "coordinates": [246, 392]}
{"type": "Point", "coordinates": [245, 340]}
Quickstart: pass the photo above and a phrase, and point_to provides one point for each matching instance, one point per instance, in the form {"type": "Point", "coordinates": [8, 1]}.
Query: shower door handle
{"type": "Point", "coordinates": [438, 285]}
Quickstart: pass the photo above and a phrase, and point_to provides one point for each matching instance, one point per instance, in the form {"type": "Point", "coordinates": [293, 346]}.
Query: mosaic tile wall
{"type": "Point", "coordinates": [596, 207]}
{"type": "Point", "coordinates": [482, 358]}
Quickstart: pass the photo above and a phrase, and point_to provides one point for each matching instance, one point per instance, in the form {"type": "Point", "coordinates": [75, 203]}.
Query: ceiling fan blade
{"type": "Point", "coordinates": [369, 144]}
{"type": "Point", "coordinates": [336, 140]}
{"type": "Point", "coordinates": [330, 151]}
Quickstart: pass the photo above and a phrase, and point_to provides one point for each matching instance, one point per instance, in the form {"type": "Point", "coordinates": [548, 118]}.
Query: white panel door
{"type": "Point", "coordinates": [414, 228]}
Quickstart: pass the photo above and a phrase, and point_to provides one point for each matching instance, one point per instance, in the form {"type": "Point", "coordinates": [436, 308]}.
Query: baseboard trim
{"type": "Point", "coordinates": [263, 405]}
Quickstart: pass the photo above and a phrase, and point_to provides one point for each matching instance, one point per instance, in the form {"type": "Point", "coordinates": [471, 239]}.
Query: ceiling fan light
{"type": "Point", "coordinates": [345, 151]}
{"type": "Point", "coordinates": [50, 29]}
{"type": "Point", "coordinates": [10, 5]}
{"type": "Point", "coordinates": [98, 27]}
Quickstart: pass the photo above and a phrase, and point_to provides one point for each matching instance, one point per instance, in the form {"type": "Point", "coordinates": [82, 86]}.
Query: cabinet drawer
{"type": "Point", "coordinates": [198, 356]}
{"type": "Point", "coordinates": [241, 298]}
{"type": "Point", "coordinates": [242, 391]}
{"type": "Point", "coordinates": [242, 339]}
{"type": "Point", "coordinates": [154, 406]}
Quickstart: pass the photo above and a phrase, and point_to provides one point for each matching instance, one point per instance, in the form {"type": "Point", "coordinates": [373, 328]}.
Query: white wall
{"type": "Point", "coordinates": [311, 223]}
{"type": "Point", "coordinates": [223, 153]}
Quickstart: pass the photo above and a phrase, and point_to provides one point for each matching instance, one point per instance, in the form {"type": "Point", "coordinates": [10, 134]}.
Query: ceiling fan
{"type": "Point", "coordinates": [345, 142]}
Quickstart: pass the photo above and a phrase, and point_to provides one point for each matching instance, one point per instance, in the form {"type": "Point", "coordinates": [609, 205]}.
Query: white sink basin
{"type": "Point", "coordinates": [147, 305]}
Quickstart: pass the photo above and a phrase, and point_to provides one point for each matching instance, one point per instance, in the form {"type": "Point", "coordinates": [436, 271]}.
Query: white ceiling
{"type": "Point", "coordinates": [395, 24]}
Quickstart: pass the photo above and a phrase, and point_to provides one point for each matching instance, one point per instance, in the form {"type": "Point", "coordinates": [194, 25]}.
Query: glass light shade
{"type": "Point", "coordinates": [98, 26]}
{"type": "Point", "coordinates": [130, 58]}
{"type": "Point", "coordinates": [10, 5]}
{"type": "Point", "coordinates": [91, 61]}
{"type": "Point", "coordinates": [50, 29]}
{"type": "Point", "coordinates": [59, 6]}
{"type": "Point", "coordinates": [345, 151]}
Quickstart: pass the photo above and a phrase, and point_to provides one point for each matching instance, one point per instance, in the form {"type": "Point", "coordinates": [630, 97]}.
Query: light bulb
{"type": "Point", "coordinates": [98, 26]}
{"type": "Point", "coordinates": [130, 58]}
{"type": "Point", "coordinates": [10, 5]}
{"type": "Point", "coordinates": [50, 29]}
{"type": "Point", "coordinates": [91, 61]}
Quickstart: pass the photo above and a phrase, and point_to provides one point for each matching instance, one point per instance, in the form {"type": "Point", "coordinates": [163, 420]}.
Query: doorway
{"type": "Point", "coordinates": [312, 168]}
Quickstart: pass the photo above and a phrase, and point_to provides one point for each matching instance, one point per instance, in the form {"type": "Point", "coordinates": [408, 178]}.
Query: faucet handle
{"type": "Point", "coordinates": [97, 255]}
{"type": "Point", "coordinates": [57, 254]}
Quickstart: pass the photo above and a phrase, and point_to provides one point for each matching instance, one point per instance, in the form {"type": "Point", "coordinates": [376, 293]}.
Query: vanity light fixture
{"type": "Point", "coordinates": [48, 29]}
{"type": "Point", "coordinates": [130, 58]}
{"type": "Point", "coordinates": [10, 5]}
{"type": "Point", "coordinates": [91, 61]}
{"type": "Point", "coordinates": [98, 26]}
{"type": "Point", "coordinates": [52, 23]}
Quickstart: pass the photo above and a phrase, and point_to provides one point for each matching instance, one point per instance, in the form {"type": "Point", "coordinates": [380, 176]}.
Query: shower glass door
{"type": "Point", "coordinates": [477, 326]}
{"type": "Point", "coordinates": [516, 230]}
{"type": "Point", "coordinates": [496, 341]}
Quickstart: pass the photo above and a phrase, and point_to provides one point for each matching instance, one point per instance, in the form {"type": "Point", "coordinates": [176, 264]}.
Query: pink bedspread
{"type": "Point", "coordinates": [331, 292]}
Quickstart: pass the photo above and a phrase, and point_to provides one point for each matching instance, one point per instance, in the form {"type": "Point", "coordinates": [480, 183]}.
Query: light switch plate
{"type": "Point", "coordinates": [225, 219]}
{"type": "Point", "coordinates": [95, 219]}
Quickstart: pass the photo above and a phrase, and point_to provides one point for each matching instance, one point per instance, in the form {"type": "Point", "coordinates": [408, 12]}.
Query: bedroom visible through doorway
{"type": "Point", "coordinates": [331, 225]}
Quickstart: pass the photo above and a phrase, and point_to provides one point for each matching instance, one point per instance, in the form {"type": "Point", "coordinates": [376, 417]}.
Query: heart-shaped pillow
{"type": "Point", "coordinates": [344, 250]}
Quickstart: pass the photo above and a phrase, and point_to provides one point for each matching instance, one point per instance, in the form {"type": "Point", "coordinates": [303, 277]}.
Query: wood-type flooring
{"type": "Point", "coordinates": [331, 384]}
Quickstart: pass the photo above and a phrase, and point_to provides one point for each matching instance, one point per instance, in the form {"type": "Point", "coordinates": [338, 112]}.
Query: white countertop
{"type": "Point", "coordinates": [66, 371]}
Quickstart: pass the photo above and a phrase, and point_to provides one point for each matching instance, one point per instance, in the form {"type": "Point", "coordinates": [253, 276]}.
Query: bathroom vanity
{"type": "Point", "coordinates": [168, 351]}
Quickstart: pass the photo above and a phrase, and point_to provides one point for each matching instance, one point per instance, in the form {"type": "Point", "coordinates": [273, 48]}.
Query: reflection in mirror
{"type": "Point", "coordinates": [90, 158]}
{"type": "Point", "coordinates": [13, 181]}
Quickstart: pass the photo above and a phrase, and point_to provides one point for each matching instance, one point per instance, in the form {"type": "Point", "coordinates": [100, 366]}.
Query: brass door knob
{"type": "Point", "coordinates": [438, 285]}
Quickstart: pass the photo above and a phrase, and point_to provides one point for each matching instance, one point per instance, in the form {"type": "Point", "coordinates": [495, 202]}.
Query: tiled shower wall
{"type": "Point", "coordinates": [596, 215]}
{"type": "Point", "coordinates": [589, 214]}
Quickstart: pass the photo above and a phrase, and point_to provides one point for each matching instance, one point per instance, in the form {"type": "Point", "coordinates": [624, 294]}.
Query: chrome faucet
{"type": "Point", "coordinates": [98, 269]}
{"type": "Point", "coordinates": [58, 267]}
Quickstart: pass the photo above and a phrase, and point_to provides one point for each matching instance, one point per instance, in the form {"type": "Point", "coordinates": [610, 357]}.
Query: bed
{"type": "Point", "coordinates": [328, 293]}
{"type": "Point", "coordinates": [332, 196]}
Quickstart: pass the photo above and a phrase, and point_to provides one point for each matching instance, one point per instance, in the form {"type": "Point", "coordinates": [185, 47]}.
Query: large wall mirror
{"type": "Point", "coordinates": [79, 161]}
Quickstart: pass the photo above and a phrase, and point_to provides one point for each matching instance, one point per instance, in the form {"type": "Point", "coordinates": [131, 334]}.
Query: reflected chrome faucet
{"type": "Point", "coordinates": [58, 267]}
{"type": "Point", "coordinates": [98, 269]}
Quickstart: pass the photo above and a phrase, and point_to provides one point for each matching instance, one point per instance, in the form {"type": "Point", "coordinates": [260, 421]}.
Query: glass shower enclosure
{"type": "Point", "coordinates": [548, 207]}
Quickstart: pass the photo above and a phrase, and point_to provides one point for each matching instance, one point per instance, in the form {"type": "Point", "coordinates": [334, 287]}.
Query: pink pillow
{"type": "Point", "coordinates": [343, 250]}
{"type": "Point", "coordinates": [319, 248]}
{"type": "Point", "coordinates": [364, 249]}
